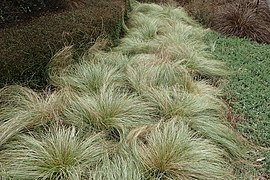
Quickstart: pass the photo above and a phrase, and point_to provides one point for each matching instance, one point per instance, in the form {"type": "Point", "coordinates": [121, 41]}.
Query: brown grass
{"type": "Point", "coordinates": [244, 19]}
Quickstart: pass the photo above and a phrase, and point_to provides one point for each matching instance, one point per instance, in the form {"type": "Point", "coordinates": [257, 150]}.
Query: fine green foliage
{"type": "Point", "coordinates": [89, 77]}
{"type": "Point", "coordinates": [171, 151]}
{"type": "Point", "coordinates": [172, 102]}
{"type": "Point", "coordinates": [169, 13]}
{"type": "Point", "coordinates": [172, 37]}
{"type": "Point", "coordinates": [118, 168]}
{"type": "Point", "coordinates": [110, 111]}
{"type": "Point", "coordinates": [23, 108]}
{"type": "Point", "coordinates": [149, 109]}
{"type": "Point", "coordinates": [202, 113]}
{"type": "Point", "coordinates": [60, 153]}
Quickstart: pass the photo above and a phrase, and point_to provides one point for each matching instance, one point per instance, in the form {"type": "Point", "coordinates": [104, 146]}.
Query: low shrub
{"type": "Point", "coordinates": [26, 48]}
{"type": "Point", "coordinates": [21, 10]}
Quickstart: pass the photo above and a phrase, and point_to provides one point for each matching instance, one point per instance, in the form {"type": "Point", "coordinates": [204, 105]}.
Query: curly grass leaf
{"type": "Point", "coordinates": [171, 151]}
{"type": "Point", "coordinates": [58, 154]}
{"type": "Point", "coordinates": [23, 108]}
{"type": "Point", "coordinates": [109, 110]}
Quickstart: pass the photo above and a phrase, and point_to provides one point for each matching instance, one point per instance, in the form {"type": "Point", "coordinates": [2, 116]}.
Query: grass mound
{"type": "Point", "coordinates": [242, 18]}
{"type": "Point", "coordinates": [59, 153]}
{"type": "Point", "coordinates": [171, 151]}
{"type": "Point", "coordinates": [155, 104]}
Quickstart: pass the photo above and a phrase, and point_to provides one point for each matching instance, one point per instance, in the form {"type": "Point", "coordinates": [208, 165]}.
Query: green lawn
{"type": "Point", "coordinates": [248, 88]}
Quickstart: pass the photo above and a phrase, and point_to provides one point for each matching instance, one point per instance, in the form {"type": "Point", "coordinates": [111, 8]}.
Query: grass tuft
{"type": "Point", "coordinates": [244, 19]}
{"type": "Point", "coordinates": [60, 153]}
{"type": "Point", "coordinates": [22, 108]}
{"type": "Point", "coordinates": [89, 77]}
{"type": "Point", "coordinates": [171, 151]}
{"type": "Point", "coordinates": [119, 168]}
{"type": "Point", "coordinates": [110, 111]}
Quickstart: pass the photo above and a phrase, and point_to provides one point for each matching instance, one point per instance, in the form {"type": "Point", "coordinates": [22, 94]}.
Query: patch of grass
{"type": "Point", "coordinates": [202, 113]}
{"type": "Point", "coordinates": [156, 101]}
{"type": "Point", "coordinates": [119, 168]}
{"type": "Point", "coordinates": [248, 88]}
{"type": "Point", "coordinates": [109, 110]}
{"type": "Point", "coordinates": [60, 153]}
{"type": "Point", "coordinates": [89, 77]}
{"type": "Point", "coordinates": [171, 151]}
{"type": "Point", "coordinates": [172, 35]}
{"type": "Point", "coordinates": [23, 109]}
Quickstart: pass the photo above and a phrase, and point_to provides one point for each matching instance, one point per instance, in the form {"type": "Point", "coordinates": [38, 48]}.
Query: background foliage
{"type": "Point", "coordinates": [26, 48]}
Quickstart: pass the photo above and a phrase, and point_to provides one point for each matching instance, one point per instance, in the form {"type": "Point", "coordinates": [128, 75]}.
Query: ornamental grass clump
{"type": "Point", "coordinates": [172, 151]}
{"type": "Point", "coordinates": [202, 113]}
{"type": "Point", "coordinates": [172, 101]}
{"type": "Point", "coordinates": [164, 75]}
{"type": "Point", "coordinates": [149, 70]}
{"type": "Point", "coordinates": [58, 153]}
{"type": "Point", "coordinates": [119, 168]}
{"type": "Point", "coordinates": [111, 111]}
{"type": "Point", "coordinates": [244, 18]}
{"type": "Point", "coordinates": [23, 109]}
{"type": "Point", "coordinates": [168, 13]}
{"type": "Point", "coordinates": [89, 77]}
{"type": "Point", "coordinates": [181, 42]}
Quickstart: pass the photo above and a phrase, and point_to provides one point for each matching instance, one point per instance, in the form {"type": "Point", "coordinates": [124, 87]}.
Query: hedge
{"type": "Point", "coordinates": [26, 48]}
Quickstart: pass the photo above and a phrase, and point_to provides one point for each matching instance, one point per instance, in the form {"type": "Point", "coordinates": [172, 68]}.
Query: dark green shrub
{"type": "Point", "coordinates": [26, 48]}
{"type": "Point", "coordinates": [56, 4]}
{"type": "Point", "coordinates": [18, 10]}
{"type": "Point", "coordinates": [15, 10]}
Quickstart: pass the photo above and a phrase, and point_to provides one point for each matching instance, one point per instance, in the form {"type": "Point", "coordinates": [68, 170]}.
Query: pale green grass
{"type": "Point", "coordinates": [173, 102]}
{"type": "Point", "coordinates": [151, 70]}
{"type": "Point", "coordinates": [177, 40]}
{"type": "Point", "coordinates": [203, 113]}
{"type": "Point", "coordinates": [172, 151]}
{"type": "Point", "coordinates": [149, 109]}
{"type": "Point", "coordinates": [119, 168]}
{"type": "Point", "coordinates": [111, 111]}
{"type": "Point", "coordinates": [24, 109]}
{"type": "Point", "coordinates": [60, 153]}
{"type": "Point", "coordinates": [89, 77]}
{"type": "Point", "coordinates": [169, 13]}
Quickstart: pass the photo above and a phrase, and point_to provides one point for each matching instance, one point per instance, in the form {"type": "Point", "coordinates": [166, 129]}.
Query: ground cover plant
{"type": "Point", "coordinates": [108, 118]}
{"type": "Point", "coordinates": [248, 90]}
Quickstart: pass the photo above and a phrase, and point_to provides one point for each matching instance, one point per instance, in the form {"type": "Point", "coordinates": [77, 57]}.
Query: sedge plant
{"type": "Point", "coordinates": [172, 151]}
{"type": "Point", "coordinates": [57, 153]}
{"type": "Point", "coordinates": [202, 113]}
{"type": "Point", "coordinates": [24, 109]}
{"type": "Point", "coordinates": [110, 110]}
{"type": "Point", "coordinates": [89, 77]}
